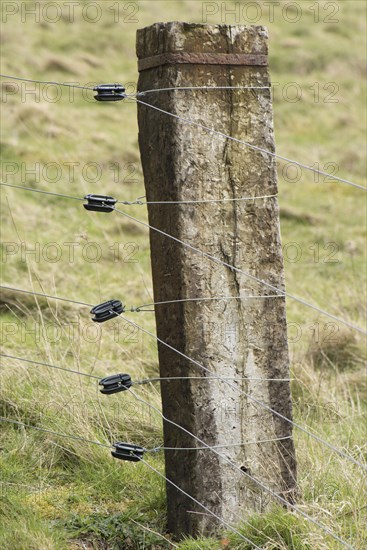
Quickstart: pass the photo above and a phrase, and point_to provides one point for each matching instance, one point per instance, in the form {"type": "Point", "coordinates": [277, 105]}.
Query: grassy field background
{"type": "Point", "coordinates": [60, 493]}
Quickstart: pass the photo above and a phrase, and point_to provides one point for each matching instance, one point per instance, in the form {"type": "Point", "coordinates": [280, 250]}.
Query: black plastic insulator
{"type": "Point", "coordinates": [107, 310]}
{"type": "Point", "coordinates": [99, 203]}
{"type": "Point", "coordinates": [115, 383]}
{"type": "Point", "coordinates": [109, 92]}
{"type": "Point", "coordinates": [127, 451]}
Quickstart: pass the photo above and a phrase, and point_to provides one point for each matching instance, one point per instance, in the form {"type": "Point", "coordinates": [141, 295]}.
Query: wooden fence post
{"type": "Point", "coordinates": [233, 338]}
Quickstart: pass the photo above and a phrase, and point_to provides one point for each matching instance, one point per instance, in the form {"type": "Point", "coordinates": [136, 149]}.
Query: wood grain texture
{"type": "Point", "coordinates": [246, 338]}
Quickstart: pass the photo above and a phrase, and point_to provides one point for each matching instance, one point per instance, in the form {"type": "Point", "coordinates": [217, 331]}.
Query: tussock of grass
{"type": "Point", "coordinates": [342, 352]}
{"type": "Point", "coordinates": [37, 116]}
{"type": "Point", "coordinates": [115, 531]}
{"type": "Point", "coordinates": [26, 305]}
{"type": "Point", "coordinates": [278, 530]}
{"type": "Point", "coordinates": [298, 217]}
{"type": "Point", "coordinates": [23, 528]}
{"type": "Point", "coordinates": [62, 65]}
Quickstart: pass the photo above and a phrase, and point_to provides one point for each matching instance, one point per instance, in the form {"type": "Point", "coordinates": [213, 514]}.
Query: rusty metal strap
{"type": "Point", "coordinates": [202, 59]}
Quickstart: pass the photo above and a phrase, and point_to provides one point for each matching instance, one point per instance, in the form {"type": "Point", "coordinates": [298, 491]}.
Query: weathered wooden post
{"type": "Point", "coordinates": [233, 338]}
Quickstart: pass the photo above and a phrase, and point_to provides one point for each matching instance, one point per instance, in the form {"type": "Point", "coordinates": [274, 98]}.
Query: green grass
{"type": "Point", "coordinates": [59, 493]}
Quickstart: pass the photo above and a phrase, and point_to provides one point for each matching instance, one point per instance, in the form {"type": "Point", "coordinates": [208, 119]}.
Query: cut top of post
{"type": "Point", "coordinates": [209, 44]}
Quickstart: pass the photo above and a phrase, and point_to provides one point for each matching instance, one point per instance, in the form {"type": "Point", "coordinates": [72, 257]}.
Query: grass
{"type": "Point", "coordinates": [60, 493]}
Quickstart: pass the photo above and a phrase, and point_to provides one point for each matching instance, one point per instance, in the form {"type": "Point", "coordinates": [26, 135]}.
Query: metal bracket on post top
{"type": "Point", "coordinates": [109, 92]}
